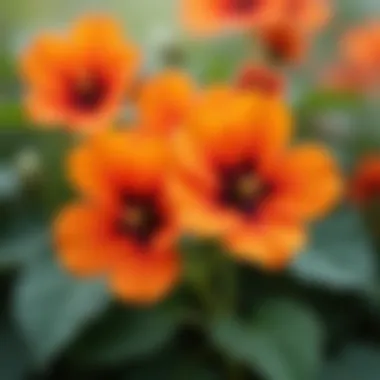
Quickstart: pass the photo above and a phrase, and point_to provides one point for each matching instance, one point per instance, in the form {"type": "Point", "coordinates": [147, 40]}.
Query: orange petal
{"type": "Point", "coordinates": [165, 101]}
{"type": "Point", "coordinates": [196, 212]}
{"type": "Point", "coordinates": [43, 61]}
{"type": "Point", "coordinates": [82, 240]}
{"type": "Point", "coordinates": [250, 124]}
{"type": "Point", "coordinates": [133, 160]}
{"type": "Point", "coordinates": [145, 279]}
{"type": "Point", "coordinates": [268, 245]}
{"type": "Point", "coordinates": [42, 110]}
{"type": "Point", "coordinates": [309, 181]}
{"type": "Point", "coordinates": [88, 173]}
{"type": "Point", "coordinates": [96, 29]}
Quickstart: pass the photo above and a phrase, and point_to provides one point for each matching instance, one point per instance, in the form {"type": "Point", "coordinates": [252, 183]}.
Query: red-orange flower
{"type": "Point", "coordinates": [165, 101]}
{"type": "Point", "coordinates": [284, 41]}
{"type": "Point", "coordinates": [216, 15]}
{"type": "Point", "coordinates": [361, 48]}
{"type": "Point", "coordinates": [345, 78]}
{"type": "Point", "coordinates": [79, 79]}
{"type": "Point", "coordinates": [237, 178]}
{"type": "Point", "coordinates": [125, 227]}
{"type": "Point", "coordinates": [365, 185]}
{"type": "Point", "coordinates": [262, 79]}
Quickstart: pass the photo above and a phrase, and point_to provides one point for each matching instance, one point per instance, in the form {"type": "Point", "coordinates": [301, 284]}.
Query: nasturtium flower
{"type": "Point", "coordinates": [238, 178]}
{"type": "Point", "coordinates": [205, 16]}
{"type": "Point", "coordinates": [124, 226]}
{"type": "Point", "coordinates": [164, 101]}
{"type": "Point", "coordinates": [361, 49]}
{"type": "Point", "coordinates": [365, 186]}
{"type": "Point", "coordinates": [342, 77]}
{"type": "Point", "coordinates": [79, 79]}
{"type": "Point", "coordinates": [258, 78]}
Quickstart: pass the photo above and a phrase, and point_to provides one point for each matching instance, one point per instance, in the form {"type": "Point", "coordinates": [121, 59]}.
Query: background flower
{"type": "Point", "coordinates": [79, 79]}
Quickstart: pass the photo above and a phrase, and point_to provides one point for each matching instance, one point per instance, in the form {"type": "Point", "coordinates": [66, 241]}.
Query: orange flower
{"type": "Point", "coordinates": [261, 79]}
{"type": "Point", "coordinates": [79, 79]}
{"type": "Point", "coordinates": [215, 15]}
{"type": "Point", "coordinates": [342, 77]}
{"type": "Point", "coordinates": [309, 15]}
{"type": "Point", "coordinates": [125, 227]}
{"type": "Point", "coordinates": [361, 48]}
{"type": "Point", "coordinates": [165, 101]}
{"type": "Point", "coordinates": [365, 186]}
{"type": "Point", "coordinates": [284, 42]}
{"type": "Point", "coordinates": [237, 178]}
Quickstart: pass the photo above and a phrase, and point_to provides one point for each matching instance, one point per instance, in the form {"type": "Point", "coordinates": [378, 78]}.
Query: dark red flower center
{"type": "Point", "coordinates": [141, 218]}
{"type": "Point", "coordinates": [241, 188]}
{"type": "Point", "coordinates": [240, 7]}
{"type": "Point", "coordinates": [87, 92]}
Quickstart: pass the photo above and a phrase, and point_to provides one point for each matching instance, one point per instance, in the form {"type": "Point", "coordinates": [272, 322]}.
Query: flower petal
{"type": "Point", "coordinates": [146, 279]}
{"type": "Point", "coordinates": [309, 182]}
{"type": "Point", "coordinates": [82, 240]}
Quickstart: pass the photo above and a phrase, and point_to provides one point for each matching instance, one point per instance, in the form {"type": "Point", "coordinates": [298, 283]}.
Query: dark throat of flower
{"type": "Point", "coordinates": [140, 219]}
{"type": "Point", "coordinates": [241, 188]}
{"type": "Point", "coordinates": [87, 92]}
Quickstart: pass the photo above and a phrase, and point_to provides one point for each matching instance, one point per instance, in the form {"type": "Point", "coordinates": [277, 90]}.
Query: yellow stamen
{"type": "Point", "coordinates": [133, 217]}
{"type": "Point", "coordinates": [85, 83]}
{"type": "Point", "coordinates": [249, 186]}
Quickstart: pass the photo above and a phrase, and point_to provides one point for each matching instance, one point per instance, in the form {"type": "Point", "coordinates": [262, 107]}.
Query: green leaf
{"type": "Point", "coordinates": [282, 342]}
{"type": "Point", "coordinates": [173, 368]}
{"type": "Point", "coordinates": [340, 255]}
{"type": "Point", "coordinates": [218, 61]}
{"type": "Point", "coordinates": [10, 184]}
{"type": "Point", "coordinates": [12, 115]}
{"type": "Point", "coordinates": [14, 357]}
{"type": "Point", "coordinates": [356, 362]}
{"type": "Point", "coordinates": [52, 308]}
{"type": "Point", "coordinates": [127, 334]}
{"type": "Point", "coordinates": [328, 99]}
{"type": "Point", "coordinates": [183, 359]}
{"type": "Point", "coordinates": [24, 246]}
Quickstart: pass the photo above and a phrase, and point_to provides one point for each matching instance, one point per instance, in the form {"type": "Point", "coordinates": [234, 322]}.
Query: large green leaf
{"type": "Point", "coordinates": [127, 334]}
{"type": "Point", "coordinates": [23, 247]}
{"type": "Point", "coordinates": [356, 362]}
{"type": "Point", "coordinates": [282, 342]}
{"type": "Point", "coordinates": [52, 308]}
{"type": "Point", "coordinates": [14, 357]}
{"type": "Point", "coordinates": [340, 255]}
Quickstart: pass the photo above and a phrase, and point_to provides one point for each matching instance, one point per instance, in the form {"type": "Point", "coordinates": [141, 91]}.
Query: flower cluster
{"type": "Point", "coordinates": [211, 162]}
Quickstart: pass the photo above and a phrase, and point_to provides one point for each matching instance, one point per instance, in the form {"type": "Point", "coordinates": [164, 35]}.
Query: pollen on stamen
{"type": "Point", "coordinates": [88, 91]}
{"type": "Point", "coordinates": [249, 186]}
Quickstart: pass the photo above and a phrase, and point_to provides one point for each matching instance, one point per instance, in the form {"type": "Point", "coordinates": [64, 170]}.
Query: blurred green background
{"type": "Point", "coordinates": [320, 320]}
